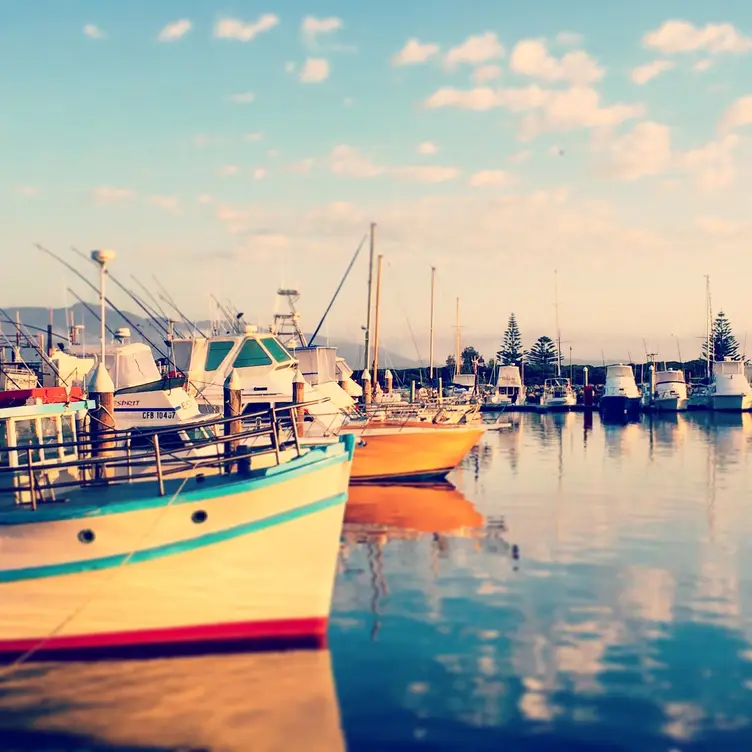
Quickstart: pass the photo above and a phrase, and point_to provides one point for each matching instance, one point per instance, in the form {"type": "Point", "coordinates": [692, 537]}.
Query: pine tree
{"type": "Point", "coordinates": [543, 354]}
{"type": "Point", "coordinates": [468, 356]}
{"type": "Point", "coordinates": [511, 352]}
{"type": "Point", "coordinates": [723, 341]}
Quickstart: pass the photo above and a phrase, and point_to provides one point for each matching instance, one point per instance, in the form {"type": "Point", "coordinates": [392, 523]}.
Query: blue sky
{"type": "Point", "coordinates": [240, 151]}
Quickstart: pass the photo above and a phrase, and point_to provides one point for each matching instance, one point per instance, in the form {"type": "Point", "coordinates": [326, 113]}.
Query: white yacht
{"type": "Point", "coordinates": [620, 395]}
{"type": "Point", "coordinates": [730, 390]}
{"type": "Point", "coordinates": [670, 393]}
{"type": "Point", "coordinates": [558, 394]}
{"type": "Point", "coordinates": [509, 389]}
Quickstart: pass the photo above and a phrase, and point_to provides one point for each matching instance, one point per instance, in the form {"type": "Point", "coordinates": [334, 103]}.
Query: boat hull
{"type": "Point", "coordinates": [731, 402]}
{"type": "Point", "coordinates": [411, 453]}
{"type": "Point", "coordinates": [250, 564]}
{"type": "Point", "coordinates": [559, 404]}
{"type": "Point", "coordinates": [619, 405]}
{"type": "Point", "coordinates": [670, 404]}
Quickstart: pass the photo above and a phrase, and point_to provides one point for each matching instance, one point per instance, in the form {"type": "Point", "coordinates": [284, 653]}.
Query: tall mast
{"type": "Point", "coordinates": [710, 350]}
{"type": "Point", "coordinates": [376, 323]}
{"type": "Point", "coordinates": [558, 331]}
{"type": "Point", "coordinates": [367, 345]}
{"type": "Point", "coordinates": [457, 347]}
{"type": "Point", "coordinates": [430, 344]}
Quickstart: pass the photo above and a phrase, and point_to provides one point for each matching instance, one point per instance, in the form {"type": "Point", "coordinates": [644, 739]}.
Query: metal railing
{"type": "Point", "coordinates": [110, 457]}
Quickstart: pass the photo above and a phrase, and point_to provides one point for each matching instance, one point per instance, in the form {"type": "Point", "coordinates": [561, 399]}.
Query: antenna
{"type": "Point", "coordinates": [558, 332]}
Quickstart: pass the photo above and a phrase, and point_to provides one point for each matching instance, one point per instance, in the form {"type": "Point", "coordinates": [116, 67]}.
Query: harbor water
{"type": "Point", "coordinates": [575, 586]}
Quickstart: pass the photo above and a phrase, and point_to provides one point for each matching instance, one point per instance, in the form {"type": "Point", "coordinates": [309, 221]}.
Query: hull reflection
{"type": "Point", "coordinates": [232, 702]}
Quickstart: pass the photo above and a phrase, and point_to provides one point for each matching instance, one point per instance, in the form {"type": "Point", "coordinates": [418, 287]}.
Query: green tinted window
{"type": "Point", "coordinates": [251, 354]}
{"type": "Point", "coordinates": [68, 434]}
{"type": "Point", "coordinates": [49, 436]}
{"type": "Point", "coordinates": [216, 354]}
{"type": "Point", "coordinates": [26, 435]}
{"type": "Point", "coordinates": [3, 442]}
{"type": "Point", "coordinates": [278, 352]}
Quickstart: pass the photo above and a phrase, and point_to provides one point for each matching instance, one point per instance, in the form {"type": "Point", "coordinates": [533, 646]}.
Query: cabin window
{"type": "Point", "coordinates": [217, 352]}
{"type": "Point", "coordinates": [278, 352]}
{"type": "Point", "coordinates": [3, 443]}
{"type": "Point", "coordinates": [168, 441]}
{"type": "Point", "coordinates": [251, 354]}
{"type": "Point", "coordinates": [68, 434]}
{"type": "Point", "coordinates": [26, 435]}
{"type": "Point", "coordinates": [48, 428]}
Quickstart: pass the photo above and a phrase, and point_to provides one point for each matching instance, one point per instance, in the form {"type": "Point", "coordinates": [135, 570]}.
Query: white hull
{"type": "Point", "coordinates": [731, 402]}
{"type": "Point", "coordinates": [560, 403]}
{"type": "Point", "coordinates": [670, 404]}
{"type": "Point", "coordinates": [260, 567]}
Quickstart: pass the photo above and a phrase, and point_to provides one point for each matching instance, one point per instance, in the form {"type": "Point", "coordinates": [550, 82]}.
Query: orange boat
{"type": "Point", "coordinates": [428, 508]}
{"type": "Point", "coordinates": [410, 451]}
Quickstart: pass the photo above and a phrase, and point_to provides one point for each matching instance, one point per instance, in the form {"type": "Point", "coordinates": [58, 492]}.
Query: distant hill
{"type": "Point", "coordinates": [34, 321]}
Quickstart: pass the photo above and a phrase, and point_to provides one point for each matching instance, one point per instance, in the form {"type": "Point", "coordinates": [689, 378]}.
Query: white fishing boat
{"type": "Point", "coordinates": [620, 397]}
{"type": "Point", "coordinates": [558, 394]}
{"type": "Point", "coordinates": [730, 390]}
{"type": "Point", "coordinates": [172, 562]}
{"type": "Point", "coordinates": [670, 392]}
{"type": "Point", "coordinates": [509, 389]}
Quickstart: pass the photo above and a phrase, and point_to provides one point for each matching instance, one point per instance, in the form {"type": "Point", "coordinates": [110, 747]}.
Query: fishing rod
{"type": "Point", "coordinates": [229, 319]}
{"type": "Point", "coordinates": [91, 310]}
{"type": "Point", "coordinates": [337, 291]}
{"type": "Point", "coordinates": [157, 308]}
{"type": "Point", "coordinates": [107, 300]}
{"type": "Point", "coordinates": [133, 297]}
{"type": "Point", "coordinates": [167, 299]}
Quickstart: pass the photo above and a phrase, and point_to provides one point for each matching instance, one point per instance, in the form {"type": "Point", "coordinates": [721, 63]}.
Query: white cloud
{"type": "Point", "coordinates": [737, 115]}
{"type": "Point", "coordinates": [110, 195]}
{"type": "Point", "coordinates": [348, 101]}
{"type": "Point", "coordinates": [255, 136]}
{"type": "Point", "coordinates": [414, 52]}
{"type": "Point", "coordinates": [168, 203]}
{"type": "Point", "coordinates": [229, 169]}
{"type": "Point", "coordinates": [175, 30]}
{"type": "Point", "coordinates": [303, 167]}
{"type": "Point", "coordinates": [645, 150]}
{"type": "Point", "coordinates": [245, 97]}
{"type": "Point", "coordinates": [520, 157]}
{"type": "Point", "coordinates": [205, 199]}
{"type": "Point", "coordinates": [647, 72]}
{"type": "Point", "coordinates": [682, 36]}
{"type": "Point", "coordinates": [530, 57]}
{"type": "Point", "coordinates": [259, 173]}
{"type": "Point", "coordinates": [489, 178]}
{"type": "Point", "coordinates": [427, 148]}
{"type": "Point", "coordinates": [28, 191]}
{"type": "Point", "coordinates": [315, 70]}
{"type": "Point", "coordinates": [426, 173]}
{"type": "Point", "coordinates": [568, 38]}
{"type": "Point", "coordinates": [93, 32]}
{"type": "Point", "coordinates": [244, 31]}
{"type": "Point", "coordinates": [485, 73]}
{"type": "Point", "coordinates": [272, 153]}
{"type": "Point", "coordinates": [712, 165]}
{"type": "Point", "coordinates": [289, 67]}
{"type": "Point", "coordinates": [475, 50]}
{"type": "Point", "coordinates": [311, 27]}
{"type": "Point", "coordinates": [347, 161]}
{"type": "Point", "coordinates": [716, 226]}
{"type": "Point", "coordinates": [702, 65]}
{"type": "Point", "coordinates": [549, 109]}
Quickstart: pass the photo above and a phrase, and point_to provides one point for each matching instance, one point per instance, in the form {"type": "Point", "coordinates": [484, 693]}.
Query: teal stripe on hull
{"type": "Point", "coordinates": [170, 549]}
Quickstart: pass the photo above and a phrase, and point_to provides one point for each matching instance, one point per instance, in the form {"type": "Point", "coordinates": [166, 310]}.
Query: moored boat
{"type": "Point", "coordinates": [558, 394]}
{"type": "Point", "coordinates": [670, 394]}
{"type": "Point", "coordinates": [730, 390]}
{"type": "Point", "coordinates": [620, 397]}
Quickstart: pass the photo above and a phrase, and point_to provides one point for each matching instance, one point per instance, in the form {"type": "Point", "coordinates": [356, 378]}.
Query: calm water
{"type": "Point", "coordinates": [578, 586]}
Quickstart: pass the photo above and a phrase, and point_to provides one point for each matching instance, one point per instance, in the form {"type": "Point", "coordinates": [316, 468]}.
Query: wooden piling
{"type": "Point", "coordinates": [366, 379]}
{"type": "Point", "coordinates": [298, 397]}
{"type": "Point", "coordinates": [232, 409]}
{"type": "Point", "coordinates": [102, 419]}
{"type": "Point", "coordinates": [388, 381]}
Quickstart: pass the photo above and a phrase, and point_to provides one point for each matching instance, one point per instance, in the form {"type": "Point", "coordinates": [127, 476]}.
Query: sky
{"type": "Point", "coordinates": [231, 149]}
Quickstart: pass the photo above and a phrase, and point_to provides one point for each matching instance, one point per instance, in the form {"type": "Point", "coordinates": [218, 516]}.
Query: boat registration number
{"type": "Point", "coordinates": [158, 415]}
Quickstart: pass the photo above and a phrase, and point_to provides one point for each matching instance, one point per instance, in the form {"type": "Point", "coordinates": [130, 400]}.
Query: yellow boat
{"type": "Point", "coordinates": [410, 451]}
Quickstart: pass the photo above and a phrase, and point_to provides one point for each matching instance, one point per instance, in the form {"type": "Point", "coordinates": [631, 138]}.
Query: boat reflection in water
{"type": "Point", "coordinates": [258, 702]}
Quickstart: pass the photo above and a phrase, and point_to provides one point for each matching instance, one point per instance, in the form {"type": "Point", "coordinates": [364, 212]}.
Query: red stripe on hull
{"type": "Point", "coordinates": [255, 635]}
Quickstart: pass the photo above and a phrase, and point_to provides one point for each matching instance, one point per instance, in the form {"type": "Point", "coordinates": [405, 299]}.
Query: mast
{"type": "Point", "coordinates": [710, 350]}
{"type": "Point", "coordinates": [558, 331]}
{"type": "Point", "coordinates": [367, 350]}
{"type": "Point", "coordinates": [457, 354]}
{"type": "Point", "coordinates": [430, 344]}
{"type": "Point", "coordinates": [376, 323]}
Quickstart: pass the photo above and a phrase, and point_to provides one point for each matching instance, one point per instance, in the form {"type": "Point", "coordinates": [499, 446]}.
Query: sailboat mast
{"type": "Point", "coordinates": [376, 323]}
{"type": "Point", "coordinates": [710, 350]}
{"type": "Point", "coordinates": [430, 343]}
{"type": "Point", "coordinates": [558, 331]}
{"type": "Point", "coordinates": [367, 344]}
{"type": "Point", "coordinates": [457, 347]}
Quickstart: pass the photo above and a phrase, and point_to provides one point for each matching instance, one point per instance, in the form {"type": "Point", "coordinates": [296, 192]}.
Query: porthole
{"type": "Point", "coordinates": [86, 536]}
{"type": "Point", "coordinates": [199, 516]}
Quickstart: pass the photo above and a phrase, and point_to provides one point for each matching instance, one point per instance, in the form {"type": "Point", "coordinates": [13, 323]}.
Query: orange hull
{"type": "Point", "coordinates": [414, 452]}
